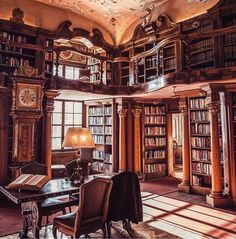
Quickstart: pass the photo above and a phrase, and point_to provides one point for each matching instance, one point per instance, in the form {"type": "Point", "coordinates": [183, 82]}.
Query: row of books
{"type": "Point", "coordinates": [200, 129]}
{"type": "Point", "coordinates": [230, 63]}
{"type": "Point", "coordinates": [98, 139]}
{"type": "Point", "coordinates": [14, 38]}
{"type": "Point", "coordinates": [94, 68]}
{"type": "Point", "coordinates": [203, 168]}
{"type": "Point", "coordinates": [95, 110]}
{"type": "Point", "coordinates": [203, 68]}
{"type": "Point", "coordinates": [201, 142]}
{"type": "Point", "coordinates": [96, 129]}
{"type": "Point", "coordinates": [159, 110]}
{"type": "Point", "coordinates": [198, 103]}
{"type": "Point", "coordinates": [49, 43]}
{"type": "Point", "coordinates": [108, 139]}
{"type": "Point", "coordinates": [197, 181]}
{"type": "Point", "coordinates": [107, 158]}
{"type": "Point", "coordinates": [229, 21]}
{"type": "Point", "coordinates": [108, 130]}
{"type": "Point", "coordinates": [155, 168]}
{"type": "Point", "coordinates": [198, 116]}
{"type": "Point", "coordinates": [99, 166]}
{"type": "Point", "coordinates": [97, 120]}
{"type": "Point", "coordinates": [155, 141]}
{"type": "Point", "coordinates": [230, 38]}
{"type": "Point", "coordinates": [150, 154]}
{"type": "Point", "coordinates": [202, 57]}
{"type": "Point", "coordinates": [201, 154]}
{"type": "Point", "coordinates": [169, 64]}
{"type": "Point", "coordinates": [108, 120]}
{"type": "Point", "coordinates": [151, 62]}
{"type": "Point", "coordinates": [158, 130]}
{"type": "Point", "coordinates": [230, 52]}
{"type": "Point", "coordinates": [201, 45]}
{"type": "Point", "coordinates": [13, 61]}
{"type": "Point", "coordinates": [6, 47]}
{"type": "Point", "coordinates": [155, 119]}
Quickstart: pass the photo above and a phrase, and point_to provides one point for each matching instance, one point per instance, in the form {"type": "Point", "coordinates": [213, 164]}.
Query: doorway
{"type": "Point", "coordinates": [177, 136]}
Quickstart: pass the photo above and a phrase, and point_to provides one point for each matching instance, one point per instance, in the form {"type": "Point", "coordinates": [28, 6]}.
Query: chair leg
{"type": "Point", "coordinates": [104, 232]}
{"type": "Point", "coordinates": [54, 232]}
{"type": "Point", "coordinates": [109, 229]}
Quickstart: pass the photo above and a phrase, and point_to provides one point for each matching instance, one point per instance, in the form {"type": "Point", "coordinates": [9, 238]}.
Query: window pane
{"type": "Point", "coordinates": [68, 107]}
{"type": "Point", "coordinates": [56, 143]}
{"type": "Point", "coordinates": [56, 131]}
{"type": "Point", "coordinates": [76, 73]}
{"type": "Point", "coordinates": [69, 72]}
{"type": "Point", "coordinates": [77, 107]}
{"type": "Point", "coordinates": [69, 119]}
{"type": "Point", "coordinates": [57, 118]}
{"type": "Point", "coordinates": [60, 71]}
{"type": "Point", "coordinates": [77, 119]}
{"type": "Point", "coordinates": [57, 106]}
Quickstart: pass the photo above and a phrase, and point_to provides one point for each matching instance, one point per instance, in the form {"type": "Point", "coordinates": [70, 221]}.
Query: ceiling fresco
{"type": "Point", "coordinates": [117, 15]}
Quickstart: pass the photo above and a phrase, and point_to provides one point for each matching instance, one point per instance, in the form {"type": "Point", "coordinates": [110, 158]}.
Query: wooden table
{"type": "Point", "coordinates": [31, 200]}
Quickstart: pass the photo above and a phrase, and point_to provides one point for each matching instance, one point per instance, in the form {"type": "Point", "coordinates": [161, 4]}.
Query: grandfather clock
{"type": "Point", "coordinates": [26, 110]}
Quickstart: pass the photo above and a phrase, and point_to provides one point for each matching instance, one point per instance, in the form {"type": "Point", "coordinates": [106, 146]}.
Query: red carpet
{"type": "Point", "coordinates": [11, 219]}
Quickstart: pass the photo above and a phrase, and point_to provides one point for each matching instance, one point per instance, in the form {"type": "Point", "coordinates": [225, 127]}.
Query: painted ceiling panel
{"type": "Point", "coordinates": [117, 15]}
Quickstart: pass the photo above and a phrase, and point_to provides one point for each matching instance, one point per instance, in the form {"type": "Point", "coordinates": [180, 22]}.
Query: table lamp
{"type": "Point", "coordinates": [80, 138]}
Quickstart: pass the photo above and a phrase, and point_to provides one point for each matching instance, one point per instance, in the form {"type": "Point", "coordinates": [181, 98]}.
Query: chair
{"type": "Point", "coordinates": [91, 213]}
{"type": "Point", "coordinates": [50, 205]}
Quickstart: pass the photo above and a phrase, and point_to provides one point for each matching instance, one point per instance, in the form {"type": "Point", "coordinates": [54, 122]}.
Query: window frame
{"type": "Point", "coordinates": [62, 124]}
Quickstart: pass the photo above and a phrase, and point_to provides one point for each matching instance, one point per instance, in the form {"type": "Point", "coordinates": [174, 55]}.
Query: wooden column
{"type": "Point", "coordinates": [4, 114]}
{"type": "Point", "coordinates": [122, 139]}
{"type": "Point", "coordinates": [137, 136]}
{"type": "Point", "coordinates": [215, 198]}
{"type": "Point", "coordinates": [185, 184]}
{"type": "Point", "coordinates": [47, 141]}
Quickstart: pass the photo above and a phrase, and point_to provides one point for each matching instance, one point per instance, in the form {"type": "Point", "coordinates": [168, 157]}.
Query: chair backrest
{"type": "Point", "coordinates": [34, 168]}
{"type": "Point", "coordinates": [93, 201]}
{"type": "Point", "coordinates": [70, 167]}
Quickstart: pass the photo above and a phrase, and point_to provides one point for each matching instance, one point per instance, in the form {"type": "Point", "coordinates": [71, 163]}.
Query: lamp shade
{"type": "Point", "coordinates": [78, 138]}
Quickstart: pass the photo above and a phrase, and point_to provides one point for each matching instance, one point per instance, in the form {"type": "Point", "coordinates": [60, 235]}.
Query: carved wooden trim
{"type": "Point", "coordinates": [183, 105]}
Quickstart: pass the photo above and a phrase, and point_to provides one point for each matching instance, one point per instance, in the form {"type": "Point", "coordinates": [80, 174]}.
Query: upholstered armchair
{"type": "Point", "coordinates": [91, 213]}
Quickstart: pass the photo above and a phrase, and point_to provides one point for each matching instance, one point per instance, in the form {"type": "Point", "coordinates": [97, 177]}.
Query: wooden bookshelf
{"type": "Point", "coordinates": [229, 48]}
{"type": "Point", "coordinates": [200, 140]}
{"type": "Point", "coordinates": [100, 123]}
{"type": "Point", "coordinates": [94, 65]}
{"type": "Point", "coordinates": [15, 51]}
{"type": "Point", "coordinates": [154, 141]}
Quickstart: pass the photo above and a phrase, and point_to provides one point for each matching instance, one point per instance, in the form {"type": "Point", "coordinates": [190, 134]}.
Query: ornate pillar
{"type": "Point", "coordinates": [215, 198]}
{"type": "Point", "coordinates": [122, 138]}
{"type": "Point", "coordinates": [185, 184]}
{"type": "Point", "coordinates": [47, 141]}
{"type": "Point", "coordinates": [137, 135]}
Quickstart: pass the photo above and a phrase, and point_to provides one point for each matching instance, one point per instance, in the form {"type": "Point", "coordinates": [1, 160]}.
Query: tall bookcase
{"type": "Point", "coordinates": [49, 58]}
{"type": "Point", "coordinates": [154, 141]}
{"type": "Point", "coordinates": [94, 66]}
{"type": "Point", "coordinates": [16, 50]}
{"type": "Point", "coordinates": [200, 140]}
{"type": "Point", "coordinates": [100, 122]}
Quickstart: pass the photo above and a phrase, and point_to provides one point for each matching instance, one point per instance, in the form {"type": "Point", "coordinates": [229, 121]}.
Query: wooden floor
{"type": "Point", "coordinates": [174, 215]}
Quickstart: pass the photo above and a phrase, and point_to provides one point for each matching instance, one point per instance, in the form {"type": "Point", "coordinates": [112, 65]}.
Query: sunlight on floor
{"type": "Point", "coordinates": [187, 220]}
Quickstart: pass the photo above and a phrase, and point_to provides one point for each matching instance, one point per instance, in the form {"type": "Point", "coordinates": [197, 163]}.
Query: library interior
{"type": "Point", "coordinates": [128, 109]}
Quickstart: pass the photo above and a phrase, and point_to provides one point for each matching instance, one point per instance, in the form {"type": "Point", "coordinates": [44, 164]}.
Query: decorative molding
{"type": "Point", "coordinates": [166, 22]}
{"type": "Point", "coordinates": [183, 106]}
{"type": "Point", "coordinates": [17, 16]}
{"type": "Point", "coordinates": [27, 71]}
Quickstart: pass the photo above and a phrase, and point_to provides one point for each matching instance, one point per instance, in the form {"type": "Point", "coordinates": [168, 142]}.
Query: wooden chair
{"type": "Point", "coordinates": [91, 213]}
{"type": "Point", "coordinates": [50, 205]}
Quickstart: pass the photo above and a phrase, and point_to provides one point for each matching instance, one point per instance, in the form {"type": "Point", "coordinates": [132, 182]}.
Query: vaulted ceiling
{"type": "Point", "coordinates": [117, 15]}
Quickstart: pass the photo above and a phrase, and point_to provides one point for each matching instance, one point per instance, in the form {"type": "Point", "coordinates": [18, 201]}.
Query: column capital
{"type": "Point", "coordinates": [183, 106]}
{"type": "Point", "coordinates": [137, 112]}
{"type": "Point", "coordinates": [213, 106]}
{"type": "Point", "coordinates": [122, 113]}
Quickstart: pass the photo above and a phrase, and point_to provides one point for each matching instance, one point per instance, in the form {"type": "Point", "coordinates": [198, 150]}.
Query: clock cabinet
{"type": "Point", "coordinates": [26, 110]}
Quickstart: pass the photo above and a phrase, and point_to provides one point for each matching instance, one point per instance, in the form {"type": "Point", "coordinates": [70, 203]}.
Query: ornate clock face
{"type": "Point", "coordinates": [27, 97]}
